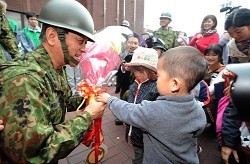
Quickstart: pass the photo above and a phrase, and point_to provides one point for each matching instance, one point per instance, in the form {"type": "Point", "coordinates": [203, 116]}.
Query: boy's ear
{"type": "Point", "coordinates": [175, 86]}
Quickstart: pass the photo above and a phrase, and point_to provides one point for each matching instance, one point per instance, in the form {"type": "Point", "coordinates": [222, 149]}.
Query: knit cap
{"type": "Point", "coordinates": [147, 57]}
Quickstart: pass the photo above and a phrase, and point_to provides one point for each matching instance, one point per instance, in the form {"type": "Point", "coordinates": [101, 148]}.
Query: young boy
{"type": "Point", "coordinates": [172, 123]}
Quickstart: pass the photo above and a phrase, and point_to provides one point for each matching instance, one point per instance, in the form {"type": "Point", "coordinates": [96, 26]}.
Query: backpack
{"type": "Point", "coordinates": [222, 105]}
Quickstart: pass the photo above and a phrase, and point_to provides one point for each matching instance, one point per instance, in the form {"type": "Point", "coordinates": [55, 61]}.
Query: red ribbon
{"type": "Point", "coordinates": [94, 134]}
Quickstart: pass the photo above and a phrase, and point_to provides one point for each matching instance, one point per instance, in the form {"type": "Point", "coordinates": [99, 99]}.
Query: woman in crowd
{"type": "Point", "coordinates": [237, 25]}
{"type": "Point", "coordinates": [207, 35]}
{"type": "Point", "coordinates": [213, 55]}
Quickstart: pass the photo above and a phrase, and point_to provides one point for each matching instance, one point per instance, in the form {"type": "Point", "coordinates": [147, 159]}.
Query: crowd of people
{"type": "Point", "coordinates": [170, 88]}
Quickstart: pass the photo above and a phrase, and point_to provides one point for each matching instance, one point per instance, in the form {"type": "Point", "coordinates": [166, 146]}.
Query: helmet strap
{"type": "Point", "coordinates": [67, 57]}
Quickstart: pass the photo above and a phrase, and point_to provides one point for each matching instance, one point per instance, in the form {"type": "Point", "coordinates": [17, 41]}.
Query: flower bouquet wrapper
{"type": "Point", "coordinates": [99, 64]}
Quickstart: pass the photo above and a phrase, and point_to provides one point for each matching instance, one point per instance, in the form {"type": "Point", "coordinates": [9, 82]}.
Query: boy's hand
{"type": "Point", "coordinates": [1, 126]}
{"type": "Point", "coordinates": [96, 109]}
{"type": "Point", "coordinates": [103, 97]}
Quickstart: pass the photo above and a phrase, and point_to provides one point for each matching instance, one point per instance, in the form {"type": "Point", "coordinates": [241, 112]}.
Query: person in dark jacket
{"type": "Point", "coordinates": [237, 25]}
{"type": "Point", "coordinates": [125, 78]}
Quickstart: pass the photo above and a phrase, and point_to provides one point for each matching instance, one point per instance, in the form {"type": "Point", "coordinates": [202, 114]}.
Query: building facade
{"type": "Point", "coordinates": [104, 12]}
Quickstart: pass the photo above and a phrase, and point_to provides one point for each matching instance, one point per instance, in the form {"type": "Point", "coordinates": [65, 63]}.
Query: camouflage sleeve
{"type": "Point", "coordinates": [33, 133]}
{"type": "Point", "coordinates": [176, 44]}
{"type": "Point", "coordinates": [7, 38]}
{"type": "Point", "coordinates": [74, 102]}
{"type": "Point", "coordinates": [2, 56]}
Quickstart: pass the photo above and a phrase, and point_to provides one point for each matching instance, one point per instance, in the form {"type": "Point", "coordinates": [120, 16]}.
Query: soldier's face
{"type": "Point", "coordinates": [164, 22]}
{"type": "Point", "coordinates": [76, 46]}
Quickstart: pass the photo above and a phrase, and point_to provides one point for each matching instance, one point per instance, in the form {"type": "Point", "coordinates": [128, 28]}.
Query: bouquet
{"type": "Point", "coordinates": [99, 64]}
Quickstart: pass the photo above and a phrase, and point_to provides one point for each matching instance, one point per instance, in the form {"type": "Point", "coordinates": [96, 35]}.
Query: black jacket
{"type": "Point", "coordinates": [230, 129]}
{"type": "Point", "coordinates": [123, 80]}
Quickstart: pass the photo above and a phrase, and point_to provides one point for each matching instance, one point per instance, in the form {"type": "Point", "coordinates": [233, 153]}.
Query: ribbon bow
{"type": "Point", "coordinates": [93, 137]}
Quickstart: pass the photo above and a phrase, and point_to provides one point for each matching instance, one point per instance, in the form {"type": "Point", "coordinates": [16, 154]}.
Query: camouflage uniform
{"type": "Point", "coordinates": [7, 39]}
{"type": "Point", "coordinates": [33, 99]}
{"type": "Point", "coordinates": [168, 36]}
{"type": "Point", "coordinates": [2, 57]}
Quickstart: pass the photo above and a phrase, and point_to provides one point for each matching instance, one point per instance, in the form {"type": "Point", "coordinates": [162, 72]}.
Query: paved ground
{"type": "Point", "coordinates": [119, 152]}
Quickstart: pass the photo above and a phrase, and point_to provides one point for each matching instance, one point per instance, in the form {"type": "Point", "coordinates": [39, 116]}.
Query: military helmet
{"type": "Point", "coordinates": [125, 23]}
{"type": "Point", "coordinates": [240, 90]}
{"type": "Point", "coordinates": [78, 19]}
{"type": "Point", "coordinates": [166, 15]}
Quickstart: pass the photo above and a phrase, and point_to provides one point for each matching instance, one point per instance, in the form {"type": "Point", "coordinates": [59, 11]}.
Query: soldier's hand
{"type": "Point", "coordinates": [96, 109]}
{"type": "Point", "coordinates": [225, 153]}
{"type": "Point", "coordinates": [1, 126]}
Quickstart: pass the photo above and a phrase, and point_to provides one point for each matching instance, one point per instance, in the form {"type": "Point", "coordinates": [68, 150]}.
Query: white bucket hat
{"type": "Point", "coordinates": [147, 57]}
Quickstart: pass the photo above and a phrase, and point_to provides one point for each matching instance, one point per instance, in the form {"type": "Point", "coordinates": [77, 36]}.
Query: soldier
{"type": "Point", "coordinates": [166, 33]}
{"type": "Point", "coordinates": [7, 39]}
{"type": "Point", "coordinates": [34, 93]}
{"type": "Point", "coordinates": [125, 23]}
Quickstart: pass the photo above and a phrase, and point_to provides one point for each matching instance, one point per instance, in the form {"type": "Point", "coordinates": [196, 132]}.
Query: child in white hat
{"type": "Point", "coordinates": [143, 65]}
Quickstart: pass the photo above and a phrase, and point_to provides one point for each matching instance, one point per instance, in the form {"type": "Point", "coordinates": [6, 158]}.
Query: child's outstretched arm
{"type": "Point", "coordinates": [103, 97]}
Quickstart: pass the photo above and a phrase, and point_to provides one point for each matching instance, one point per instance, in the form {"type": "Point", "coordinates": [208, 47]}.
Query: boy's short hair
{"type": "Point", "coordinates": [184, 62]}
{"type": "Point", "coordinates": [30, 14]}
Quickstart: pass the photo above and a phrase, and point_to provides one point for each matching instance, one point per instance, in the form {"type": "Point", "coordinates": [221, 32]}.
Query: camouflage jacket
{"type": "Point", "coordinates": [33, 101]}
{"type": "Point", "coordinates": [2, 56]}
{"type": "Point", "coordinates": [168, 36]}
{"type": "Point", "coordinates": [7, 37]}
